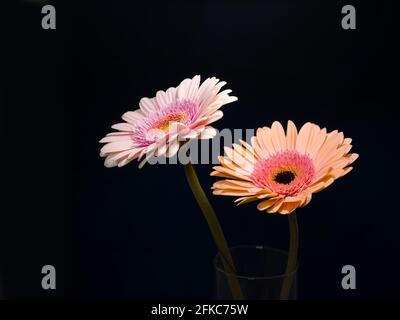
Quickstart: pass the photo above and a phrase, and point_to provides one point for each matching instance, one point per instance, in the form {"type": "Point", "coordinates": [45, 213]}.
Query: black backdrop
{"type": "Point", "coordinates": [130, 233]}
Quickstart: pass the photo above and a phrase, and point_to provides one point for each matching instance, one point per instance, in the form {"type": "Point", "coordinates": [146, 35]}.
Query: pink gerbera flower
{"type": "Point", "coordinates": [163, 122]}
{"type": "Point", "coordinates": [284, 170]}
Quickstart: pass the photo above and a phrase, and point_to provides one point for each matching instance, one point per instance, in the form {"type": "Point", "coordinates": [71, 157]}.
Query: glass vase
{"type": "Point", "coordinates": [261, 273]}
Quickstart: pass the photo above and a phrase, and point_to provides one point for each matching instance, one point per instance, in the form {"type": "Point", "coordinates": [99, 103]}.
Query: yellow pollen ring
{"type": "Point", "coordinates": [164, 123]}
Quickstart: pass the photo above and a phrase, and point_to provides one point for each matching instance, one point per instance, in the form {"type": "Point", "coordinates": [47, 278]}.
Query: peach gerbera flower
{"type": "Point", "coordinates": [162, 122]}
{"type": "Point", "coordinates": [283, 170]}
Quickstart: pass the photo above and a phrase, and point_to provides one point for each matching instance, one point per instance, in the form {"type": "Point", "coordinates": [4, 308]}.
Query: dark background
{"type": "Point", "coordinates": [136, 234]}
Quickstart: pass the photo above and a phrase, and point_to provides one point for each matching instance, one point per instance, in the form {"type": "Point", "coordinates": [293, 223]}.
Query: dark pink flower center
{"type": "Point", "coordinates": [286, 173]}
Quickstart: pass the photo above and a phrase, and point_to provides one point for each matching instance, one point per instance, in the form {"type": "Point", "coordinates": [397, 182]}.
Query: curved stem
{"type": "Point", "coordinates": [292, 258]}
{"type": "Point", "coordinates": [215, 229]}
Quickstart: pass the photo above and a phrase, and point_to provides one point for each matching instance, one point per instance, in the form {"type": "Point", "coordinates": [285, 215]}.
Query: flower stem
{"type": "Point", "coordinates": [215, 229]}
{"type": "Point", "coordinates": [292, 258]}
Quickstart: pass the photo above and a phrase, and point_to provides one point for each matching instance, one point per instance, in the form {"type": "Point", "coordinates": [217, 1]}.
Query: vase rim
{"type": "Point", "coordinates": [251, 278]}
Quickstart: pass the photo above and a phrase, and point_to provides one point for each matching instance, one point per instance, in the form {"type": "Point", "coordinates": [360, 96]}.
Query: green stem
{"type": "Point", "coordinates": [292, 258]}
{"type": "Point", "coordinates": [215, 229]}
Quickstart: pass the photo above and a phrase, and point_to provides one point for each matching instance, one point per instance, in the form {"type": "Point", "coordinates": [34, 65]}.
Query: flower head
{"type": "Point", "coordinates": [283, 170]}
{"type": "Point", "coordinates": [163, 122]}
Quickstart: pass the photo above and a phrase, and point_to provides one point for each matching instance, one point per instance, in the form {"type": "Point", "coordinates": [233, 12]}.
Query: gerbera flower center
{"type": "Point", "coordinates": [184, 111]}
{"type": "Point", "coordinates": [164, 123]}
{"type": "Point", "coordinates": [286, 173]}
{"type": "Point", "coordinates": [284, 177]}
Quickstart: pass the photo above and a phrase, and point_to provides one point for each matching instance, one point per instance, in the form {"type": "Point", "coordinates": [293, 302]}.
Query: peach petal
{"type": "Point", "coordinates": [243, 200]}
{"type": "Point", "coordinates": [237, 193]}
{"type": "Point", "coordinates": [245, 185]}
{"type": "Point", "coordinates": [238, 159]}
{"type": "Point", "coordinates": [225, 161]}
{"type": "Point", "coordinates": [223, 175]}
{"type": "Point", "coordinates": [230, 173]}
{"type": "Point", "coordinates": [338, 173]}
{"type": "Point", "coordinates": [330, 144]}
{"type": "Point", "coordinates": [278, 138]}
{"type": "Point", "coordinates": [306, 200]}
{"type": "Point", "coordinates": [265, 141]}
{"type": "Point", "coordinates": [264, 205]}
{"type": "Point", "coordinates": [276, 206]}
{"type": "Point", "coordinates": [249, 156]}
{"type": "Point", "coordinates": [289, 207]}
{"type": "Point", "coordinates": [291, 135]}
{"type": "Point", "coordinates": [302, 138]}
{"type": "Point", "coordinates": [314, 132]}
{"type": "Point", "coordinates": [347, 141]}
{"type": "Point", "coordinates": [316, 143]}
{"type": "Point", "coordinates": [333, 155]}
{"type": "Point", "coordinates": [250, 149]}
{"type": "Point", "coordinates": [353, 157]}
{"type": "Point", "coordinates": [258, 149]}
